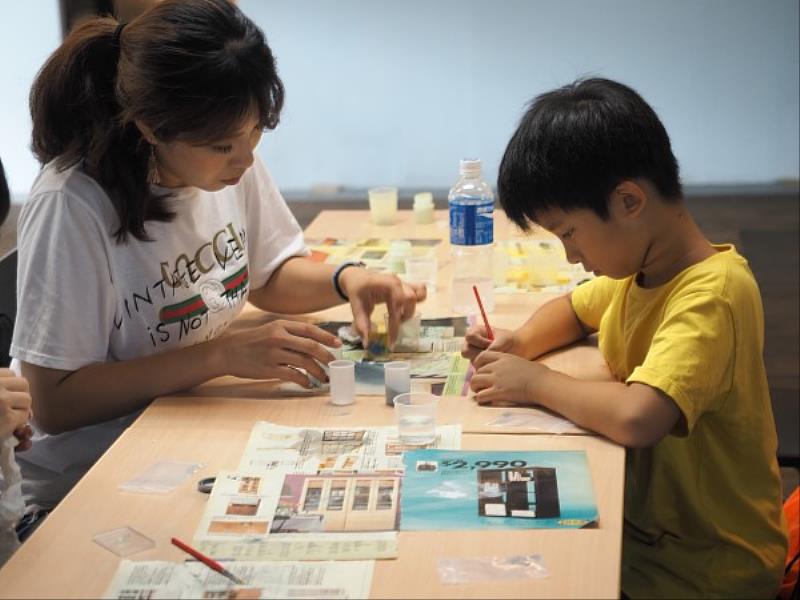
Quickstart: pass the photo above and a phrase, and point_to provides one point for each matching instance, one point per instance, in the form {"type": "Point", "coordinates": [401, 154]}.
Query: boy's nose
{"type": "Point", "coordinates": [573, 257]}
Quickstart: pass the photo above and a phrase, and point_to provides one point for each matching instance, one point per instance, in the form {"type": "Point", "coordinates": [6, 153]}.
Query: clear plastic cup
{"type": "Point", "coordinates": [422, 269]}
{"type": "Point", "coordinates": [383, 205]}
{"type": "Point", "coordinates": [399, 251]}
{"type": "Point", "coordinates": [545, 260]}
{"type": "Point", "coordinates": [342, 374]}
{"type": "Point", "coordinates": [397, 379]}
{"type": "Point", "coordinates": [407, 334]}
{"type": "Point", "coordinates": [416, 417]}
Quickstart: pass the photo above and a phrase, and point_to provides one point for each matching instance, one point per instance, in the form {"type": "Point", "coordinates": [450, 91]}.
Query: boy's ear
{"type": "Point", "coordinates": [628, 200]}
{"type": "Point", "coordinates": [146, 132]}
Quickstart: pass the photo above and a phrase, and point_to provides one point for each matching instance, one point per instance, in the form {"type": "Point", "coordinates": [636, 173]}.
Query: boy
{"type": "Point", "coordinates": [680, 325]}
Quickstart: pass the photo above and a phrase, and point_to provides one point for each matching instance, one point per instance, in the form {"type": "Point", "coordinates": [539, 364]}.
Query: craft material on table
{"type": "Point", "coordinates": [436, 364]}
{"type": "Point", "coordinates": [161, 477]}
{"type": "Point", "coordinates": [533, 420]}
{"type": "Point", "coordinates": [374, 252]}
{"type": "Point", "coordinates": [123, 541]}
{"type": "Point", "coordinates": [534, 265]}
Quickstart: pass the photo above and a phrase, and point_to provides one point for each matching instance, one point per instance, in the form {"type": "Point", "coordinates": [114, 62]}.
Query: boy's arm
{"type": "Point", "coordinates": [634, 415]}
{"type": "Point", "coordinates": [553, 326]}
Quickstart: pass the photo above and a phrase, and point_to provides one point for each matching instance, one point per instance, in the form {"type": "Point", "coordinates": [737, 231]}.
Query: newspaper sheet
{"type": "Point", "coordinates": [319, 450]}
{"type": "Point", "coordinates": [311, 494]}
{"type": "Point", "coordinates": [161, 579]}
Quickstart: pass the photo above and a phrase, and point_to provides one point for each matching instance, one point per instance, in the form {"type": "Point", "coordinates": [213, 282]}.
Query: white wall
{"type": "Point", "coordinates": [395, 92]}
{"type": "Point", "coordinates": [382, 92]}
{"type": "Point", "coordinates": [29, 31]}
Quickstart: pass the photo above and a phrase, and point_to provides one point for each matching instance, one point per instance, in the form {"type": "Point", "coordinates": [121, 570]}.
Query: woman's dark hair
{"type": "Point", "coordinates": [574, 145]}
{"type": "Point", "coordinates": [5, 195]}
{"type": "Point", "coordinates": [191, 70]}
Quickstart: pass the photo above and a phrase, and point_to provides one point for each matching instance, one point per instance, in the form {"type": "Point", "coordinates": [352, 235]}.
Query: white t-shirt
{"type": "Point", "coordinates": [83, 298]}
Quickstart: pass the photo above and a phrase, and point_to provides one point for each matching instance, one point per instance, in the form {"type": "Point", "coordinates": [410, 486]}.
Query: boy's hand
{"type": "Point", "coordinates": [504, 378]}
{"type": "Point", "coordinates": [476, 341]}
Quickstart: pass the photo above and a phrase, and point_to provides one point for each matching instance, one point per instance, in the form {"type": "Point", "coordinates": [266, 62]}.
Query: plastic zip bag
{"type": "Point", "coordinates": [12, 504]}
{"type": "Point", "coordinates": [491, 568]}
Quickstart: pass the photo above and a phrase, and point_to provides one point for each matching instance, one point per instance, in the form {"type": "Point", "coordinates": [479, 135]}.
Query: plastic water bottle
{"type": "Point", "coordinates": [471, 203]}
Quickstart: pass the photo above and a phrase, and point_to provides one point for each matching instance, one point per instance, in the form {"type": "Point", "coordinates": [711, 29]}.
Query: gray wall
{"type": "Point", "coordinates": [382, 92]}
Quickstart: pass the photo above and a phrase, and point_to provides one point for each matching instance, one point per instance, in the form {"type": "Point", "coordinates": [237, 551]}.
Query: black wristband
{"type": "Point", "coordinates": [340, 268]}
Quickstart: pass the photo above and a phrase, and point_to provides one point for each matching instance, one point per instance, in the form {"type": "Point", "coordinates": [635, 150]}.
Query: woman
{"type": "Point", "coordinates": [150, 225]}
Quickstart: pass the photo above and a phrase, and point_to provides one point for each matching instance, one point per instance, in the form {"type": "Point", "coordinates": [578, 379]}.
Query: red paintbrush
{"type": "Point", "coordinates": [483, 313]}
{"type": "Point", "coordinates": [209, 562]}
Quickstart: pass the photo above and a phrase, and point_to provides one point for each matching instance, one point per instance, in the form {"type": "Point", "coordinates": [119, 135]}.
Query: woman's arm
{"type": "Point", "coordinates": [65, 400]}
{"type": "Point", "coordinates": [298, 286]}
{"type": "Point", "coordinates": [302, 286]}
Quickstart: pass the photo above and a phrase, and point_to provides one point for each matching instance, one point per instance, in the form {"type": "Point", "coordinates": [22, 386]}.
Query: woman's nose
{"type": "Point", "coordinates": [242, 160]}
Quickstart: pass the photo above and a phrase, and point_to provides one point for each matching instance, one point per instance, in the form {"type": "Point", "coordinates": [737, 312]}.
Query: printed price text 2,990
{"type": "Point", "coordinates": [457, 463]}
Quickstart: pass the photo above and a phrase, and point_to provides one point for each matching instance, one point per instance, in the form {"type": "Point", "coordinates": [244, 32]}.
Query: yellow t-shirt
{"type": "Point", "coordinates": [703, 515]}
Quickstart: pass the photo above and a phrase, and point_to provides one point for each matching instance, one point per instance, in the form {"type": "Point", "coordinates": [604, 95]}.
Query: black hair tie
{"type": "Point", "coordinates": [118, 33]}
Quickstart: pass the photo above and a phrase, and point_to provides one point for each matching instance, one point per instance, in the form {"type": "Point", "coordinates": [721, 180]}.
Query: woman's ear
{"type": "Point", "coordinates": [146, 132]}
{"type": "Point", "coordinates": [628, 200]}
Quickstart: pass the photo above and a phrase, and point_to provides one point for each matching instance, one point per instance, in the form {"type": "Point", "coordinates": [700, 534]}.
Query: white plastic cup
{"type": "Point", "coordinates": [423, 208]}
{"type": "Point", "coordinates": [342, 374]}
{"type": "Point", "coordinates": [337, 355]}
{"type": "Point", "coordinates": [383, 205]}
{"type": "Point", "coordinates": [422, 269]}
{"type": "Point", "coordinates": [397, 379]}
{"type": "Point", "coordinates": [416, 417]}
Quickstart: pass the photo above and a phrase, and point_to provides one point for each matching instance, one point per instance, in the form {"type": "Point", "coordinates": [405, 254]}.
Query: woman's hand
{"type": "Point", "coordinates": [277, 350]}
{"type": "Point", "coordinates": [365, 289]}
{"type": "Point", "coordinates": [477, 340]}
{"type": "Point", "coordinates": [15, 407]}
{"type": "Point", "coordinates": [504, 378]}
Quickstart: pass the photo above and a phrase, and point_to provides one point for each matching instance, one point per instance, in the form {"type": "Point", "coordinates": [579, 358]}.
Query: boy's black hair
{"type": "Point", "coordinates": [575, 144]}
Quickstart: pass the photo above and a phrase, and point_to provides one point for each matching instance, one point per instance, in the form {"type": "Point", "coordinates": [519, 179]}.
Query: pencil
{"type": "Point", "coordinates": [209, 562]}
{"type": "Point", "coordinates": [483, 313]}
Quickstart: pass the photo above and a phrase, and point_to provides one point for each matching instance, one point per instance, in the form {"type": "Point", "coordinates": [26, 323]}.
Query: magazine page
{"type": "Point", "coordinates": [448, 489]}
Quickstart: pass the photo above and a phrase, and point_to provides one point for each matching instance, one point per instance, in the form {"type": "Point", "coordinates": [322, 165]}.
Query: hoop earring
{"type": "Point", "coordinates": [152, 167]}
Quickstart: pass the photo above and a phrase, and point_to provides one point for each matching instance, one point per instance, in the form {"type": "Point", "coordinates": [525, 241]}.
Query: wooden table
{"type": "Point", "coordinates": [211, 424]}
